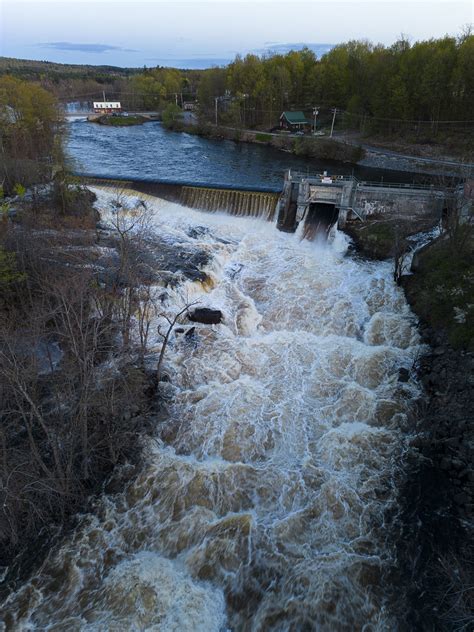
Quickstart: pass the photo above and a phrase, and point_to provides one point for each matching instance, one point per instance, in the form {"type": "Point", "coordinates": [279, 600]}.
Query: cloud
{"type": "Point", "coordinates": [84, 48]}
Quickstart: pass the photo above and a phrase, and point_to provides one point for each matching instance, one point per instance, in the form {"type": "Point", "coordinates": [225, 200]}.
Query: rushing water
{"type": "Point", "coordinates": [262, 501]}
{"type": "Point", "coordinates": [150, 151]}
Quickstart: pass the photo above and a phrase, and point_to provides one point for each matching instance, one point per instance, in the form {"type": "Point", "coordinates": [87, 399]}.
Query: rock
{"type": "Point", "coordinates": [179, 330]}
{"type": "Point", "coordinates": [197, 231]}
{"type": "Point", "coordinates": [206, 316]}
{"type": "Point", "coordinates": [403, 375]}
{"type": "Point", "coordinates": [190, 332]}
{"type": "Point", "coordinates": [461, 499]}
{"type": "Point", "coordinates": [417, 442]}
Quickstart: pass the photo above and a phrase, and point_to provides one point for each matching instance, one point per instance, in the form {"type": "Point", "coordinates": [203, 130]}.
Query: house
{"type": "Point", "coordinates": [189, 106]}
{"type": "Point", "coordinates": [107, 107]}
{"type": "Point", "coordinates": [294, 121]}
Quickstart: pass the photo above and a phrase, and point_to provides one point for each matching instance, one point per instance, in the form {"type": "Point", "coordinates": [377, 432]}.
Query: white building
{"type": "Point", "coordinates": [107, 107]}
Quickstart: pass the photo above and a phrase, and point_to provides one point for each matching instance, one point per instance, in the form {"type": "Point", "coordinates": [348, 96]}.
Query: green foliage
{"type": "Point", "coordinates": [30, 122]}
{"type": "Point", "coordinates": [327, 149]}
{"type": "Point", "coordinates": [154, 88]}
{"type": "Point", "coordinates": [383, 89]}
{"type": "Point", "coordinates": [121, 121]}
{"type": "Point", "coordinates": [8, 269]}
{"type": "Point", "coordinates": [263, 138]}
{"type": "Point", "coordinates": [171, 115]}
{"type": "Point", "coordinates": [19, 190]}
{"type": "Point", "coordinates": [444, 292]}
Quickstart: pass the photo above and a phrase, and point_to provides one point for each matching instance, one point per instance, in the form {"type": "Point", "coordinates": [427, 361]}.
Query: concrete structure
{"type": "Point", "coordinates": [340, 199]}
{"type": "Point", "coordinates": [318, 202]}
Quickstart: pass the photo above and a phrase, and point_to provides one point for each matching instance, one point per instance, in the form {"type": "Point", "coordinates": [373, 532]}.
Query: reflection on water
{"type": "Point", "coordinates": [262, 502]}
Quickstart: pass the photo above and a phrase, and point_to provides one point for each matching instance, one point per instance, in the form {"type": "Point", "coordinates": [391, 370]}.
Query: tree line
{"type": "Point", "coordinates": [376, 87]}
{"type": "Point", "coordinates": [427, 86]}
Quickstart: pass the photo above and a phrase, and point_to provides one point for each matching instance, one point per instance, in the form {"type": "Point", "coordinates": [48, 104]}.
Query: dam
{"type": "Point", "coordinates": [318, 201]}
{"type": "Point", "coordinates": [340, 199]}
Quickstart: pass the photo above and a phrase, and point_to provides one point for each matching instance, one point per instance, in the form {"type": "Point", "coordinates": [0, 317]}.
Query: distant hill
{"type": "Point", "coordinates": [318, 49]}
{"type": "Point", "coordinates": [30, 69]}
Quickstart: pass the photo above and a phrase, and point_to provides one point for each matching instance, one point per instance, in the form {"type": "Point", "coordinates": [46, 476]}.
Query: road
{"type": "Point", "coordinates": [395, 154]}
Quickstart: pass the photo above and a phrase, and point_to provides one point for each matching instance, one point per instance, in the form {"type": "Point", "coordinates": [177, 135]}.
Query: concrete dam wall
{"type": "Point", "coordinates": [240, 201]}
{"type": "Point", "coordinates": [325, 200]}
{"type": "Point", "coordinates": [318, 201]}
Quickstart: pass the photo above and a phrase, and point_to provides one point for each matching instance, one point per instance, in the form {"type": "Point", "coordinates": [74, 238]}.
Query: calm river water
{"type": "Point", "coordinates": [150, 151]}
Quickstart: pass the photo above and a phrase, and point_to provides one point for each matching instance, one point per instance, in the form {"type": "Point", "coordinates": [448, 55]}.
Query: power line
{"type": "Point", "coordinates": [398, 120]}
{"type": "Point", "coordinates": [294, 106]}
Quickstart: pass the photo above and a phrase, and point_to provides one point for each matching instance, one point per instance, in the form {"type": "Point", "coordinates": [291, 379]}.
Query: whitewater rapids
{"type": "Point", "coordinates": [263, 499]}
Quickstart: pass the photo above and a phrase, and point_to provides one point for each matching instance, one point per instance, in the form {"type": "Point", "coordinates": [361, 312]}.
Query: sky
{"type": "Point", "coordinates": [196, 34]}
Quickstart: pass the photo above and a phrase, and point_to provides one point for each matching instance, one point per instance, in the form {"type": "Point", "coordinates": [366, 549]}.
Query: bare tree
{"type": "Point", "coordinates": [166, 334]}
{"type": "Point", "coordinates": [132, 225]}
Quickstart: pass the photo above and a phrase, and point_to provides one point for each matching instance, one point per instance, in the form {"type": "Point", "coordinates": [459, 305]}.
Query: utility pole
{"type": "Point", "coordinates": [103, 94]}
{"type": "Point", "coordinates": [215, 101]}
{"type": "Point", "coordinates": [244, 96]}
{"type": "Point", "coordinates": [334, 111]}
{"type": "Point", "coordinates": [315, 113]}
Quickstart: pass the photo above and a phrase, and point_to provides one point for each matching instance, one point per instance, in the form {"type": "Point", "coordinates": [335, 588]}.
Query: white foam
{"type": "Point", "coordinates": [273, 471]}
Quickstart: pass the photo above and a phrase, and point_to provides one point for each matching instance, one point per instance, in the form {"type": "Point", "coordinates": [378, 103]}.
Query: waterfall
{"type": "Point", "coordinates": [319, 220]}
{"type": "Point", "coordinates": [262, 502]}
{"type": "Point", "coordinates": [231, 201]}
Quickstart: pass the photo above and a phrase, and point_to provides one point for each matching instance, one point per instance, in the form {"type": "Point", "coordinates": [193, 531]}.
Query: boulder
{"type": "Point", "coordinates": [206, 316]}
{"type": "Point", "coordinates": [403, 375]}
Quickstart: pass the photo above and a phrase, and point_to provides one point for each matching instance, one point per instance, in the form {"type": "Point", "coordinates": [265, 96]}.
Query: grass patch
{"type": "Point", "coordinates": [324, 148]}
{"type": "Point", "coordinates": [121, 121]}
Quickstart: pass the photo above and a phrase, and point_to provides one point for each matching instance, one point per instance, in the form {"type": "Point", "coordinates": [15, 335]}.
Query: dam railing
{"type": "Point", "coordinates": [297, 176]}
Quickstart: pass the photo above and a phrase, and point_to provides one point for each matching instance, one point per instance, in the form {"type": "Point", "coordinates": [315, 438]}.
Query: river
{"type": "Point", "coordinates": [152, 152]}
{"type": "Point", "coordinates": [263, 498]}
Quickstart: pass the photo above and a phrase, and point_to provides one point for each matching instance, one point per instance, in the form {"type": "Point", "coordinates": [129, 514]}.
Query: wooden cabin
{"type": "Point", "coordinates": [294, 121]}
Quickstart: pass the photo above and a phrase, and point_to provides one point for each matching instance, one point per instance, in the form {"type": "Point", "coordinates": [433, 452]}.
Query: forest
{"type": "Point", "coordinates": [403, 87]}
{"type": "Point", "coordinates": [421, 88]}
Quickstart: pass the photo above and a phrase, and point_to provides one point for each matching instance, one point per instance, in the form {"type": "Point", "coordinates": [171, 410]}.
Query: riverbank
{"type": "Point", "coordinates": [76, 395]}
{"type": "Point", "coordinates": [305, 147]}
{"type": "Point", "coordinates": [435, 526]}
{"type": "Point", "coordinates": [434, 532]}
{"type": "Point", "coordinates": [344, 147]}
